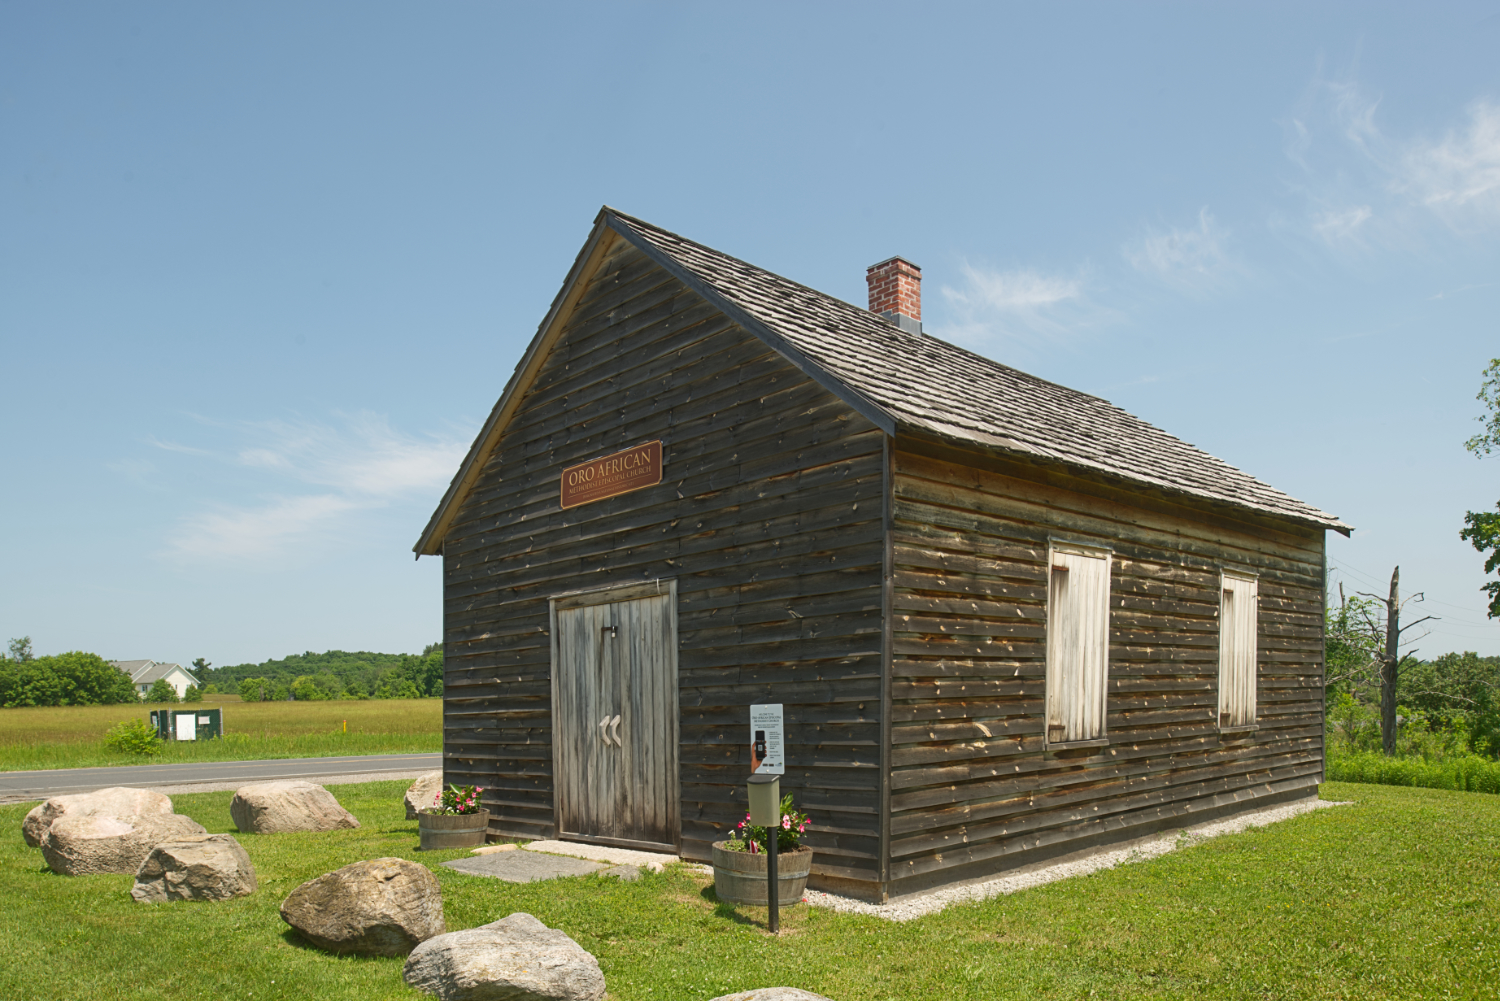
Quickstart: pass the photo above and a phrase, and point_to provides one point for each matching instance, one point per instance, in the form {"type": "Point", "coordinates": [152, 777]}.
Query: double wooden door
{"type": "Point", "coordinates": [614, 716]}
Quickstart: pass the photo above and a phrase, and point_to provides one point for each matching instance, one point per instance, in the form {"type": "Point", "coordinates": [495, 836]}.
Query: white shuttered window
{"type": "Point", "coordinates": [1077, 644]}
{"type": "Point", "coordinates": [1238, 620]}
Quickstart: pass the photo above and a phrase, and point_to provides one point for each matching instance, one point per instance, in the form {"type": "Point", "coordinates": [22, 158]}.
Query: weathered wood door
{"type": "Point", "coordinates": [614, 706]}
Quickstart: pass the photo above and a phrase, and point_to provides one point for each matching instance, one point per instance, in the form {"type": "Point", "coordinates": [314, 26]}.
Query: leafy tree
{"type": "Point", "coordinates": [1482, 531]}
{"type": "Point", "coordinates": [1488, 440]}
{"type": "Point", "coordinates": [192, 694]}
{"type": "Point", "coordinates": [65, 679]}
{"type": "Point", "coordinates": [1459, 693]}
{"type": "Point", "coordinates": [161, 691]}
{"type": "Point", "coordinates": [1353, 637]}
{"type": "Point", "coordinates": [312, 688]}
{"type": "Point", "coordinates": [20, 650]}
{"type": "Point", "coordinates": [1482, 528]}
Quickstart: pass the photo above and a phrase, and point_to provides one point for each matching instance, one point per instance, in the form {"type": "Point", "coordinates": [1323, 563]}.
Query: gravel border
{"type": "Point", "coordinates": [932, 901]}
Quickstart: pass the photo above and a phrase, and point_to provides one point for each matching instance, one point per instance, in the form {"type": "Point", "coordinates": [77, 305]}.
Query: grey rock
{"type": "Point", "coordinates": [423, 792]}
{"type": "Point", "coordinates": [773, 994]}
{"type": "Point", "coordinates": [523, 866]}
{"type": "Point", "coordinates": [379, 908]}
{"type": "Point", "coordinates": [279, 807]}
{"type": "Point", "coordinates": [197, 867]}
{"type": "Point", "coordinates": [514, 959]}
{"type": "Point", "coordinates": [78, 844]}
{"type": "Point", "coordinates": [629, 873]}
{"type": "Point", "coordinates": [116, 801]}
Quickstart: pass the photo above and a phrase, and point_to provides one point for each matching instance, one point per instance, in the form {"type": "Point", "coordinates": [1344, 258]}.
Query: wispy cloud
{"type": "Point", "coordinates": [358, 464]}
{"type": "Point", "coordinates": [242, 534]}
{"type": "Point", "coordinates": [1021, 306]}
{"type": "Point", "coordinates": [1367, 187]}
{"type": "Point", "coordinates": [1023, 291]}
{"type": "Point", "coordinates": [1341, 225]}
{"type": "Point", "coordinates": [1457, 176]}
{"type": "Point", "coordinates": [1191, 257]}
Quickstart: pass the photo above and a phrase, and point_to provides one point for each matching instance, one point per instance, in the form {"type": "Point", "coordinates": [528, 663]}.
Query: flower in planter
{"type": "Point", "coordinates": [456, 801]}
{"type": "Point", "coordinates": [752, 839]}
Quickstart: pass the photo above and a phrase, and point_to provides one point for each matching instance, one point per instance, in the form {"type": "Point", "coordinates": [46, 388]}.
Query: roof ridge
{"type": "Point", "coordinates": [637, 221]}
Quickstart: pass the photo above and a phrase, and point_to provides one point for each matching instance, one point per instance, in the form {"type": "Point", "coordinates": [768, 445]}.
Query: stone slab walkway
{"type": "Point", "coordinates": [524, 867]}
{"type": "Point", "coordinates": [603, 853]}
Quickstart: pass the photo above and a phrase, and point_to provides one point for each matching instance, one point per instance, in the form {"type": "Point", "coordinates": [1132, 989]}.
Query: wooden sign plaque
{"type": "Point", "coordinates": [612, 475]}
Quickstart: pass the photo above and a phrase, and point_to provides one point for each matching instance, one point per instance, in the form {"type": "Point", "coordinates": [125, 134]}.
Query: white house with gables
{"type": "Point", "coordinates": [144, 674]}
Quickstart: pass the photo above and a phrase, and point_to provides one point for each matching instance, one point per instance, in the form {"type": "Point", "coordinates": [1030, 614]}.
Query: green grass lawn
{"type": "Point", "coordinates": [1397, 896]}
{"type": "Point", "coordinates": [72, 736]}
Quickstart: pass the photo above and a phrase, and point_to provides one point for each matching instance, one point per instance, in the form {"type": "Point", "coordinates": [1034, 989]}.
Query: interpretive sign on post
{"type": "Point", "coordinates": [767, 742]}
{"type": "Point", "coordinates": [611, 475]}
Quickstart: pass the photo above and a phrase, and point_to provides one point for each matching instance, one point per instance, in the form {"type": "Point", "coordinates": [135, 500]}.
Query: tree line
{"type": "Point", "coordinates": [336, 674]}
{"type": "Point", "coordinates": [86, 679]}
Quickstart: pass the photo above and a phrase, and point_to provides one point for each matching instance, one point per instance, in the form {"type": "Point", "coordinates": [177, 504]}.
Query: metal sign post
{"type": "Point", "coordinates": [768, 755]}
{"type": "Point", "coordinates": [765, 811]}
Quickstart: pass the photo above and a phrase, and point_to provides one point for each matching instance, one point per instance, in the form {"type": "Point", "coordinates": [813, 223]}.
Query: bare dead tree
{"type": "Point", "coordinates": [1391, 660]}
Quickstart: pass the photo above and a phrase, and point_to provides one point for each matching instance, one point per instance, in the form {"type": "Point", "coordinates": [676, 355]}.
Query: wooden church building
{"type": "Point", "coordinates": [1007, 621]}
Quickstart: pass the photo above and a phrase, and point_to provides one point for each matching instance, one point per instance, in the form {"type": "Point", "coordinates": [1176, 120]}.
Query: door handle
{"type": "Point", "coordinates": [603, 732]}
{"type": "Point", "coordinates": [615, 726]}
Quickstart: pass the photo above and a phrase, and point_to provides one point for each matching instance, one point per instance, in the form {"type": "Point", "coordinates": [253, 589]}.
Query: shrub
{"type": "Point", "coordinates": [161, 691]}
{"type": "Point", "coordinates": [132, 736]}
{"type": "Point", "coordinates": [1469, 773]}
{"type": "Point", "coordinates": [192, 694]}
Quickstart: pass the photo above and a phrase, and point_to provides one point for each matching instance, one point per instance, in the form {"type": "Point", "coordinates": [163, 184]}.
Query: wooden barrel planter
{"type": "Point", "coordinates": [439, 831]}
{"type": "Point", "coordinates": [740, 878]}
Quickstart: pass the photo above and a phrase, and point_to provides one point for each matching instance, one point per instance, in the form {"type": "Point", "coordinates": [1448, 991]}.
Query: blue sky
{"type": "Point", "coordinates": [265, 269]}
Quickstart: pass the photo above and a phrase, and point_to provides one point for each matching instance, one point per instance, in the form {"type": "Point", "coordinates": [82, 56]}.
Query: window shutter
{"type": "Point", "coordinates": [1239, 617]}
{"type": "Point", "coordinates": [1077, 645]}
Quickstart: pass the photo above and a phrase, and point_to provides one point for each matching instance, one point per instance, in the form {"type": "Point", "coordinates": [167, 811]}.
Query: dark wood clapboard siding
{"type": "Point", "coordinates": [970, 782]}
{"type": "Point", "coordinates": [768, 517]}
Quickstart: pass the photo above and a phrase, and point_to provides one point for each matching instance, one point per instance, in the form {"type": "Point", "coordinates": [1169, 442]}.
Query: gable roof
{"type": "Point", "coordinates": [914, 382]}
{"type": "Point", "coordinates": [130, 667]}
{"type": "Point", "coordinates": [144, 672]}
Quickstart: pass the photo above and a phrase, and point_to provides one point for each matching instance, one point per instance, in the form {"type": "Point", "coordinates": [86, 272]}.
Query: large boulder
{"type": "Point", "coordinates": [380, 908]}
{"type": "Point", "coordinates": [116, 801]}
{"type": "Point", "coordinates": [423, 792]}
{"type": "Point", "coordinates": [279, 807]}
{"type": "Point", "coordinates": [78, 844]}
{"type": "Point", "coordinates": [514, 959]}
{"type": "Point", "coordinates": [196, 867]}
{"type": "Point", "coordinates": [773, 994]}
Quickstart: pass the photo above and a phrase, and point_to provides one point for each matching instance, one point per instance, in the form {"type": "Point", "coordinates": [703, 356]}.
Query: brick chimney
{"type": "Point", "coordinates": [896, 292]}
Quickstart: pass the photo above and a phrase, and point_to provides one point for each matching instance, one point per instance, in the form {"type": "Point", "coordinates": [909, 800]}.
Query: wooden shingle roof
{"type": "Point", "coordinates": [929, 385]}
{"type": "Point", "coordinates": [900, 381]}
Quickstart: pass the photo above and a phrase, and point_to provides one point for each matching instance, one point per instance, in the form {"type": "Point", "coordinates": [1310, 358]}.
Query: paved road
{"type": "Point", "coordinates": [20, 786]}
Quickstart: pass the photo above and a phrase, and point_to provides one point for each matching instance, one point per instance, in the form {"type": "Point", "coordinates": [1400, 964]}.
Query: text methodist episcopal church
{"type": "Point", "coordinates": [1007, 620]}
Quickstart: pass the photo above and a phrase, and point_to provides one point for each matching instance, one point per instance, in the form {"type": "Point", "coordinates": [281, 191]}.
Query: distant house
{"type": "Point", "coordinates": [144, 674]}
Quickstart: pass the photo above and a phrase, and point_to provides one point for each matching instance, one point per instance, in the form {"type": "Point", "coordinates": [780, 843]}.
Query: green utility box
{"type": "Point", "coordinates": [188, 724]}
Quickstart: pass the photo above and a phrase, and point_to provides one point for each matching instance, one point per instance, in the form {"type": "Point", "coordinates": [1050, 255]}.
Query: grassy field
{"type": "Point", "coordinates": [1397, 896]}
{"type": "Point", "coordinates": [72, 736]}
